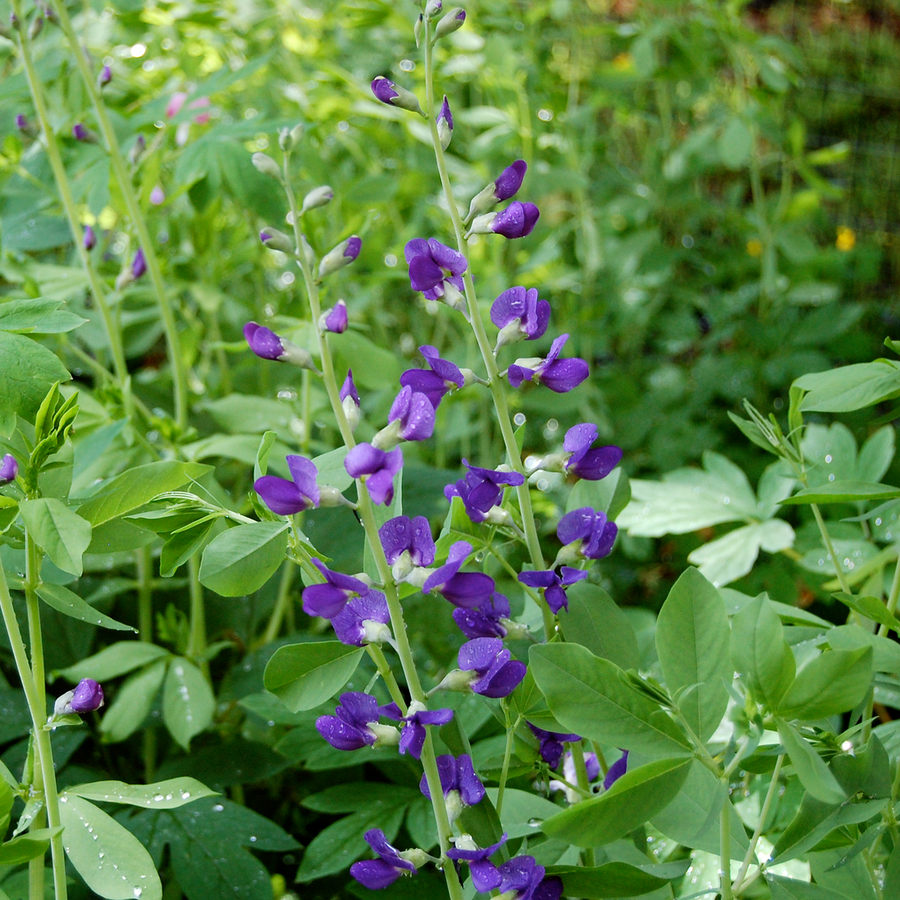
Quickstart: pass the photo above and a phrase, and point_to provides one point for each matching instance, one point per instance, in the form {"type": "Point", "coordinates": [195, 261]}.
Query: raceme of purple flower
{"type": "Point", "coordinates": [364, 620]}
{"type": "Point", "coordinates": [412, 737]}
{"type": "Point", "coordinates": [560, 375]}
{"type": "Point", "coordinates": [554, 584]}
{"type": "Point", "coordinates": [286, 497]}
{"type": "Point", "coordinates": [519, 314]}
{"type": "Point", "coordinates": [591, 527]}
{"type": "Point", "coordinates": [516, 221]}
{"type": "Point", "coordinates": [268, 345]}
{"type": "Point", "coordinates": [441, 377]}
{"type": "Point", "coordinates": [354, 724]}
{"type": "Point", "coordinates": [616, 771]}
{"type": "Point", "coordinates": [434, 268]}
{"type": "Point", "coordinates": [335, 319]}
{"type": "Point", "coordinates": [498, 674]}
{"type": "Point", "coordinates": [402, 535]}
{"type": "Point", "coordinates": [482, 489]}
{"type": "Point", "coordinates": [524, 878]}
{"type": "Point", "coordinates": [89, 240]}
{"type": "Point", "coordinates": [329, 598]}
{"type": "Point", "coordinates": [485, 875]}
{"type": "Point", "coordinates": [138, 264]}
{"type": "Point", "coordinates": [392, 94]}
{"type": "Point", "coordinates": [466, 589]}
{"type": "Point", "coordinates": [9, 469]}
{"type": "Point", "coordinates": [376, 874]}
{"type": "Point", "coordinates": [488, 619]}
{"type": "Point", "coordinates": [444, 124]}
{"type": "Point", "coordinates": [379, 466]}
{"type": "Point", "coordinates": [340, 256]}
{"type": "Point", "coordinates": [592, 465]}
{"type": "Point", "coordinates": [457, 774]}
{"type": "Point", "coordinates": [413, 414]}
{"type": "Point", "coordinates": [551, 748]}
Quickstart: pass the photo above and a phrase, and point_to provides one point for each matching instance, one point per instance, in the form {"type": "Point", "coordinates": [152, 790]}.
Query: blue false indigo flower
{"type": "Point", "coordinates": [465, 589]}
{"type": "Point", "coordinates": [519, 315]}
{"type": "Point", "coordinates": [335, 319]}
{"type": "Point", "coordinates": [9, 469]}
{"type": "Point", "coordinates": [485, 875]}
{"type": "Point", "coordinates": [328, 599]}
{"type": "Point", "coordinates": [523, 879]}
{"type": "Point", "coordinates": [286, 497]}
{"type": "Point", "coordinates": [493, 671]}
{"type": "Point", "coordinates": [412, 737]}
{"type": "Point", "coordinates": [445, 124]}
{"type": "Point", "coordinates": [377, 468]}
{"type": "Point", "coordinates": [489, 619]}
{"type": "Point", "coordinates": [453, 21]}
{"type": "Point", "coordinates": [436, 271]}
{"type": "Point", "coordinates": [615, 771]}
{"type": "Point", "coordinates": [442, 377]}
{"type": "Point", "coordinates": [592, 465]}
{"type": "Point", "coordinates": [554, 585]}
{"type": "Point", "coordinates": [273, 239]}
{"type": "Point", "coordinates": [25, 126]}
{"type": "Point", "coordinates": [560, 375]}
{"type": "Point", "coordinates": [516, 221]}
{"type": "Point", "coordinates": [432, 8]}
{"type": "Point", "coordinates": [350, 400]}
{"type": "Point", "coordinates": [586, 533]}
{"type": "Point", "coordinates": [157, 197]}
{"type": "Point", "coordinates": [87, 696]}
{"type": "Point", "coordinates": [592, 770]}
{"type": "Point", "coordinates": [457, 776]}
{"type": "Point", "coordinates": [376, 874]}
{"type": "Point", "coordinates": [89, 240]}
{"type": "Point", "coordinates": [105, 77]}
{"type": "Point", "coordinates": [411, 418]}
{"type": "Point", "coordinates": [138, 264]}
{"type": "Point", "coordinates": [408, 545]}
{"type": "Point", "coordinates": [355, 723]}
{"type": "Point", "coordinates": [393, 95]}
{"type": "Point", "coordinates": [551, 748]}
{"type": "Point", "coordinates": [364, 620]}
{"type": "Point", "coordinates": [81, 132]}
{"type": "Point", "coordinates": [317, 197]}
{"type": "Point", "coordinates": [340, 256]}
{"type": "Point", "coordinates": [506, 186]}
{"type": "Point", "coordinates": [481, 492]}
{"type": "Point", "coordinates": [268, 345]}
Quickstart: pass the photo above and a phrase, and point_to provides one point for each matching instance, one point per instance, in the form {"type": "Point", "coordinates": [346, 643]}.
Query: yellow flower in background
{"type": "Point", "coordinates": [846, 238]}
{"type": "Point", "coordinates": [623, 62]}
{"type": "Point", "coordinates": [754, 247]}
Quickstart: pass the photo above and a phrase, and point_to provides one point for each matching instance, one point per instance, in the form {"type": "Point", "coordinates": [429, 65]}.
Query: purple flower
{"type": "Point", "coordinates": [412, 737]}
{"type": "Point", "coordinates": [376, 874]}
{"type": "Point", "coordinates": [379, 465]}
{"type": "Point", "coordinates": [138, 264]}
{"type": "Point", "coordinates": [87, 697]}
{"type": "Point", "coordinates": [523, 876]}
{"type": "Point", "coordinates": [413, 414]}
{"type": "Point", "coordinates": [517, 220]}
{"type": "Point", "coordinates": [340, 256]}
{"type": "Point", "coordinates": [433, 267]}
{"type": "Point", "coordinates": [273, 239]}
{"type": "Point", "coordinates": [335, 319]}
{"type": "Point", "coordinates": [488, 619]}
{"type": "Point", "coordinates": [481, 490]}
{"type": "Point", "coordinates": [519, 314]}
{"type": "Point", "coordinates": [363, 620]}
{"type": "Point", "coordinates": [410, 536]}
{"type": "Point", "coordinates": [351, 727]}
{"type": "Point", "coordinates": [457, 774]}
{"type": "Point", "coordinates": [286, 497]}
{"type": "Point", "coordinates": [560, 375]}
{"type": "Point", "coordinates": [22, 122]}
{"type": "Point", "coordinates": [444, 124]}
{"type": "Point", "coordinates": [328, 599]}
{"type": "Point", "coordinates": [348, 388]}
{"type": "Point", "coordinates": [485, 875]}
{"type": "Point", "coordinates": [157, 196]}
{"type": "Point", "coordinates": [551, 748]}
{"type": "Point", "coordinates": [387, 92]}
{"type": "Point", "coordinates": [498, 674]}
{"type": "Point", "coordinates": [105, 76]}
{"type": "Point", "coordinates": [510, 180]}
{"type": "Point", "coordinates": [451, 22]}
{"type": "Point", "coordinates": [591, 527]}
{"type": "Point", "coordinates": [81, 132]}
{"type": "Point", "coordinates": [466, 589]}
{"type": "Point", "coordinates": [89, 241]}
{"type": "Point", "coordinates": [554, 584]}
{"type": "Point", "coordinates": [268, 345]}
{"type": "Point", "coordinates": [616, 771]}
{"type": "Point", "coordinates": [9, 469]}
{"type": "Point", "coordinates": [592, 770]}
{"type": "Point", "coordinates": [442, 376]}
{"type": "Point", "coordinates": [591, 465]}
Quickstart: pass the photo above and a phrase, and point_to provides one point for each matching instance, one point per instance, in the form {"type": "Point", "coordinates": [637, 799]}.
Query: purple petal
{"type": "Point", "coordinates": [539, 579]}
{"type": "Point", "coordinates": [263, 341]}
{"type": "Point", "coordinates": [577, 525]}
{"type": "Point", "coordinates": [571, 575]}
{"type": "Point", "coordinates": [381, 488]}
{"type": "Point", "coordinates": [374, 874]}
{"type": "Point", "coordinates": [469, 785]}
{"type": "Point", "coordinates": [468, 589]}
{"type": "Point", "coordinates": [556, 598]}
{"type": "Point", "coordinates": [424, 273]}
{"type": "Point", "coordinates": [383, 89]}
{"type": "Point", "coordinates": [9, 469]}
{"type": "Point", "coordinates": [342, 736]}
{"type": "Point", "coordinates": [412, 739]}
{"type": "Point", "coordinates": [348, 623]}
{"type": "Point", "coordinates": [563, 375]}
{"type": "Point", "coordinates": [503, 681]}
{"type": "Point", "coordinates": [348, 388]}
{"type": "Point", "coordinates": [550, 888]}
{"type": "Point", "coordinates": [283, 497]}
{"type": "Point", "coordinates": [323, 600]}
{"type": "Point", "coordinates": [510, 180]}
{"type": "Point", "coordinates": [478, 655]}
{"type": "Point", "coordinates": [515, 375]}
{"type": "Point", "coordinates": [358, 708]}
{"type": "Point", "coordinates": [616, 771]}
{"type": "Point", "coordinates": [603, 545]}
{"type": "Point", "coordinates": [364, 459]}
{"type": "Point", "coordinates": [435, 716]}
{"type": "Point", "coordinates": [579, 437]}
{"type": "Point", "coordinates": [596, 464]}
{"type": "Point", "coordinates": [485, 875]}
{"type": "Point", "coordinates": [508, 307]}
{"type": "Point", "coordinates": [336, 321]}
{"type": "Point", "coordinates": [304, 472]}
{"type": "Point", "coordinates": [88, 696]}
{"type": "Point", "coordinates": [347, 583]}
{"type": "Point", "coordinates": [425, 382]}
{"type": "Point", "coordinates": [455, 558]}
{"type": "Point", "coordinates": [447, 258]}
{"type": "Point", "coordinates": [447, 370]}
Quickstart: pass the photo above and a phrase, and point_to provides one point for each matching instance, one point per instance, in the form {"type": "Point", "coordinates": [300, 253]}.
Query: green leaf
{"type": "Point", "coordinates": [114, 660]}
{"type": "Point", "coordinates": [162, 795]}
{"type": "Point", "coordinates": [70, 604]}
{"type": "Point", "coordinates": [374, 368]}
{"type": "Point", "coordinates": [110, 859]}
{"type": "Point", "coordinates": [592, 697]}
{"type": "Point", "coordinates": [182, 545]}
{"type": "Point", "coordinates": [735, 144]}
{"type": "Point", "coordinates": [241, 560]}
{"type": "Point", "coordinates": [635, 797]}
{"type": "Point", "coordinates": [28, 371]}
{"type": "Point", "coordinates": [850, 387]}
{"type": "Point", "coordinates": [760, 653]}
{"type": "Point", "coordinates": [791, 889]}
{"type": "Point", "coordinates": [132, 703]}
{"type": "Point", "coordinates": [833, 682]}
{"type": "Point", "coordinates": [732, 556]}
{"type": "Point", "coordinates": [692, 637]}
{"type": "Point", "coordinates": [610, 494]}
{"type": "Point", "coordinates": [596, 622]}
{"type": "Point", "coordinates": [61, 533]}
{"type": "Point", "coordinates": [344, 798]}
{"type": "Point", "coordinates": [138, 486]}
{"type": "Point", "coordinates": [876, 455]}
{"type": "Point", "coordinates": [188, 701]}
{"type": "Point", "coordinates": [305, 675]}
{"type": "Point", "coordinates": [26, 846]}
{"type": "Point", "coordinates": [814, 775]}
{"type": "Point", "coordinates": [870, 607]}
{"type": "Point", "coordinates": [330, 469]}
{"type": "Point", "coordinates": [843, 492]}
{"type": "Point", "coordinates": [614, 879]}
{"type": "Point", "coordinates": [37, 315]}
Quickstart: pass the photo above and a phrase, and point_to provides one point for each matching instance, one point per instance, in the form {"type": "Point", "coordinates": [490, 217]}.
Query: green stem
{"type": "Point", "coordinates": [33, 609]}
{"type": "Point", "coordinates": [123, 178]}
{"type": "Point", "coordinates": [144, 564]}
{"type": "Point", "coordinates": [197, 637]}
{"type": "Point", "coordinates": [750, 855]}
{"type": "Point", "coordinates": [283, 600]}
{"type": "Point", "coordinates": [507, 755]}
{"type": "Point", "coordinates": [893, 596]}
{"type": "Point", "coordinates": [725, 848]}
{"type": "Point", "coordinates": [584, 784]}
{"type": "Point", "coordinates": [384, 669]}
{"type": "Point", "coordinates": [842, 577]}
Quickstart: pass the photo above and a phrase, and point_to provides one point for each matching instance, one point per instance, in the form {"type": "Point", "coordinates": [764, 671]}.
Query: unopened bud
{"type": "Point", "coordinates": [445, 124]}
{"type": "Point", "coordinates": [273, 239]}
{"type": "Point", "coordinates": [342, 255]}
{"type": "Point", "coordinates": [265, 164]}
{"type": "Point", "coordinates": [351, 412]}
{"type": "Point", "coordinates": [81, 132]}
{"type": "Point", "coordinates": [105, 77]}
{"type": "Point", "coordinates": [320, 196]}
{"type": "Point", "coordinates": [296, 134]}
{"type": "Point", "coordinates": [453, 21]}
{"type": "Point", "coordinates": [284, 139]}
{"type": "Point", "coordinates": [419, 28]}
{"type": "Point", "coordinates": [432, 8]}
{"type": "Point", "coordinates": [393, 95]}
{"type": "Point", "coordinates": [309, 255]}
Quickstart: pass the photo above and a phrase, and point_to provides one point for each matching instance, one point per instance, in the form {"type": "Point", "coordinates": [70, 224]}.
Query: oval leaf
{"type": "Point", "coordinates": [188, 701]}
{"type": "Point", "coordinates": [63, 534]}
{"type": "Point", "coordinates": [163, 795]}
{"type": "Point", "coordinates": [305, 675]}
{"type": "Point", "coordinates": [69, 603]}
{"type": "Point", "coordinates": [843, 492]}
{"type": "Point", "coordinates": [244, 558]}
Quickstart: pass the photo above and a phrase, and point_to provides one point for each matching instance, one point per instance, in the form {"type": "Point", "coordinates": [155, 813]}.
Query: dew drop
{"type": "Point", "coordinates": [828, 458]}
{"type": "Point", "coordinates": [253, 839]}
{"type": "Point", "coordinates": [218, 807]}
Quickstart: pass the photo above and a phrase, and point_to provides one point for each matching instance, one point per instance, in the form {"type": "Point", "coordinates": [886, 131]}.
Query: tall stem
{"type": "Point", "coordinates": [763, 815]}
{"type": "Point", "coordinates": [197, 637]}
{"type": "Point", "coordinates": [725, 848]}
{"type": "Point", "coordinates": [123, 178]}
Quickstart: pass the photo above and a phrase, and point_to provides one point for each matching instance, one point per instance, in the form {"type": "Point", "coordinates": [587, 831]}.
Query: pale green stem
{"type": "Point", "coordinates": [283, 600]}
{"type": "Point", "coordinates": [507, 755]}
{"type": "Point", "coordinates": [384, 669]}
{"type": "Point", "coordinates": [197, 637]}
{"type": "Point", "coordinates": [123, 178]}
{"type": "Point", "coordinates": [584, 784]}
{"type": "Point", "coordinates": [144, 564]}
{"type": "Point", "coordinates": [725, 848]}
{"type": "Point", "coordinates": [33, 609]}
{"type": "Point", "coordinates": [750, 855]}
{"type": "Point", "coordinates": [842, 577]}
{"type": "Point", "coordinates": [892, 596]}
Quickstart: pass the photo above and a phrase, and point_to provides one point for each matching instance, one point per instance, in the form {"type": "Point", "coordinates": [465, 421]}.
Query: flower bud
{"type": "Point", "coordinates": [138, 264]}
{"type": "Point", "coordinates": [387, 92]}
{"type": "Point", "coordinates": [296, 134]}
{"type": "Point", "coordinates": [342, 255]}
{"type": "Point", "coordinates": [453, 21]}
{"type": "Point", "coordinates": [273, 239]}
{"type": "Point", "coordinates": [457, 680]}
{"type": "Point", "coordinates": [36, 27]}
{"type": "Point", "coordinates": [87, 696]}
{"type": "Point", "coordinates": [308, 253]}
{"type": "Point", "coordinates": [320, 196]}
{"type": "Point", "coordinates": [445, 124]}
{"type": "Point", "coordinates": [432, 8]}
{"type": "Point", "coordinates": [334, 319]}
{"type": "Point", "coordinates": [105, 77]}
{"type": "Point", "coordinates": [419, 28]}
{"type": "Point", "coordinates": [265, 164]}
{"type": "Point", "coordinates": [89, 241]}
{"type": "Point", "coordinates": [9, 469]}
{"type": "Point", "coordinates": [157, 196]}
{"type": "Point", "coordinates": [284, 139]}
{"type": "Point", "coordinates": [81, 132]}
